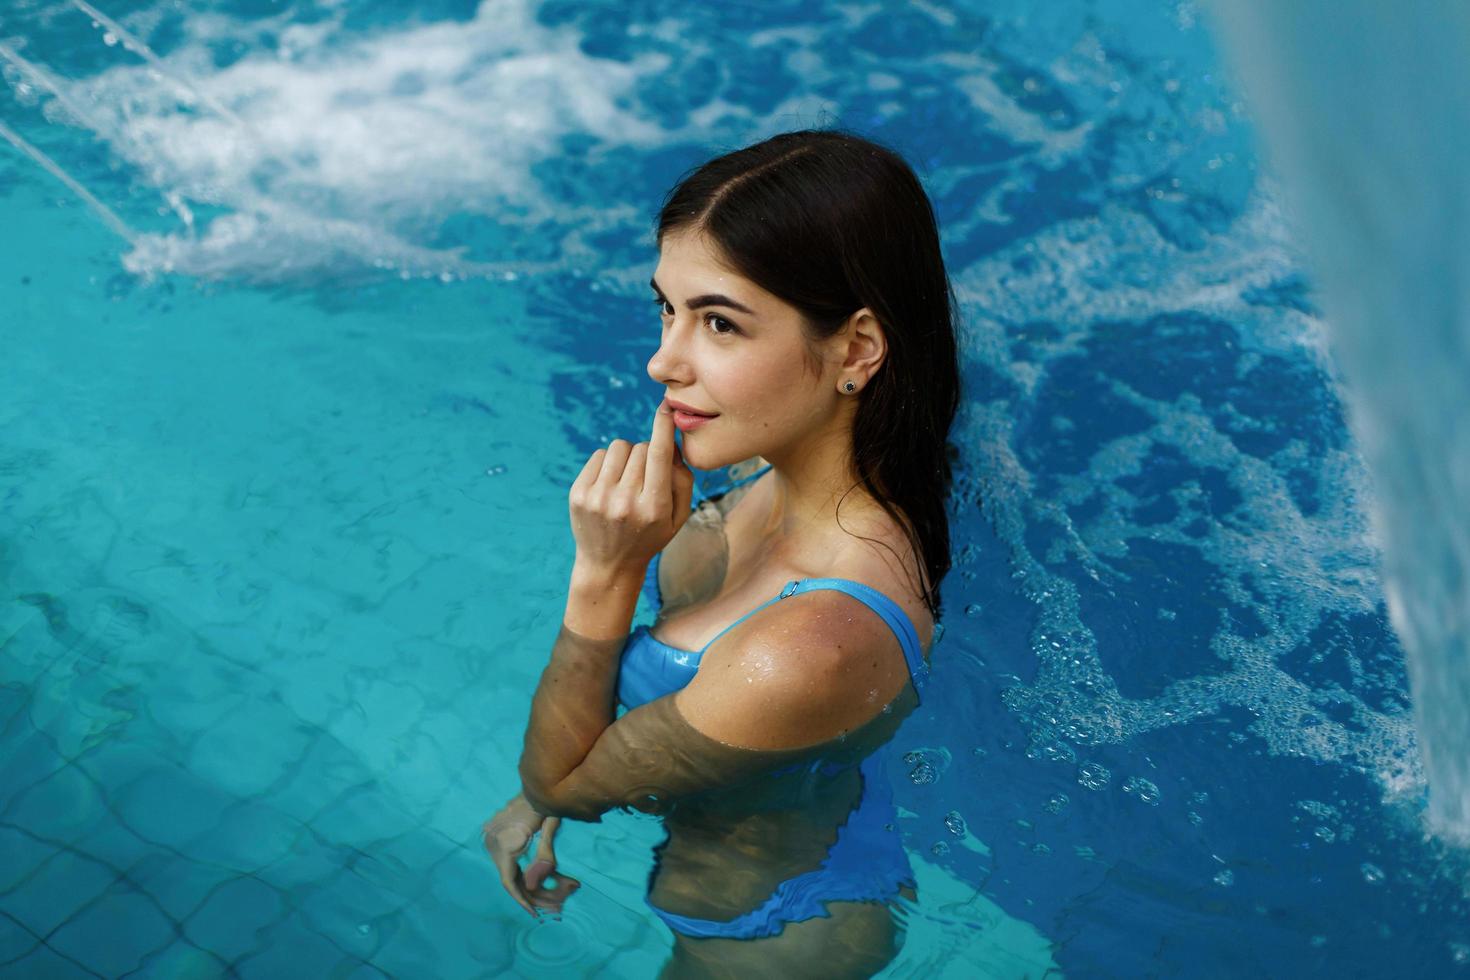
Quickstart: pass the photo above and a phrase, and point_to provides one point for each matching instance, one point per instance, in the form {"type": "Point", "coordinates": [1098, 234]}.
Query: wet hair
{"type": "Point", "coordinates": [831, 223]}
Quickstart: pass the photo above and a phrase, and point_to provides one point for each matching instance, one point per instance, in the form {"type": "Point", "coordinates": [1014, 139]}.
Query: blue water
{"type": "Point", "coordinates": [283, 534]}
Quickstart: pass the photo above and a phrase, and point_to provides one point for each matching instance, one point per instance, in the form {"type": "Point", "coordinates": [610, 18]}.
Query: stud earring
{"type": "Point", "coordinates": [849, 386]}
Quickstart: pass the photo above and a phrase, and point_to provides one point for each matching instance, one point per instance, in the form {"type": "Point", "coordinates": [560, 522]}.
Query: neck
{"type": "Point", "coordinates": [810, 479]}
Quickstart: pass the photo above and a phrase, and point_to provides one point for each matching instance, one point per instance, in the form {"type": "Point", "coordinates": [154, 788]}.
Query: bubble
{"type": "Point", "coordinates": [495, 470]}
{"type": "Point", "coordinates": [1325, 834]}
{"type": "Point", "coordinates": [923, 774]}
{"type": "Point", "coordinates": [1460, 953]}
{"type": "Point", "coordinates": [1372, 873]}
{"type": "Point", "coordinates": [1094, 776]}
{"type": "Point", "coordinates": [973, 609]}
{"type": "Point", "coordinates": [1199, 798]}
{"type": "Point", "coordinates": [1055, 751]}
{"type": "Point", "coordinates": [939, 849]}
{"type": "Point", "coordinates": [1224, 878]}
{"type": "Point", "coordinates": [955, 823]}
{"type": "Point", "coordinates": [1146, 791]}
{"type": "Point", "coordinates": [1056, 803]}
{"type": "Point", "coordinates": [1194, 818]}
{"type": "Point", "coordinates": [1039, 848]}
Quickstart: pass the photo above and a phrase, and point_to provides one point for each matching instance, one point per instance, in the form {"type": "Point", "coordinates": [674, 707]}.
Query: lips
{"type": "Point", "coordinates": [689, 410]}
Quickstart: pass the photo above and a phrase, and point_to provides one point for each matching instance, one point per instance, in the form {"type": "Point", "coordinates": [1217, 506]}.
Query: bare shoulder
{"type": "Point", "coordinates": [802, 671]}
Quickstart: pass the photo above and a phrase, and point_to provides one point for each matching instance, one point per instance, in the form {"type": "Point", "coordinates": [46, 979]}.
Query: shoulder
{"type": "Point", "coordinates": [797, 673]}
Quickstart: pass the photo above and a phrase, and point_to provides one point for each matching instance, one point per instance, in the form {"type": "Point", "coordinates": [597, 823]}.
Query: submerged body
{"type": "Point", "coordinates": [796, 867]}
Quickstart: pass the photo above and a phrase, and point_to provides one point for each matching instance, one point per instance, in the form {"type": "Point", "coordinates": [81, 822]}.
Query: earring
{"type": "Point", "coordinates": [850, 386]}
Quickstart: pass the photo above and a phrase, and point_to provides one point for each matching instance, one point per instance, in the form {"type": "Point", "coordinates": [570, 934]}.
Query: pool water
{"type": "Point", "coordinates": [291, 409]}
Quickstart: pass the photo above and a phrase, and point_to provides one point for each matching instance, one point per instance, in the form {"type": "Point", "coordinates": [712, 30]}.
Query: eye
{"type": "Point", "coordinates": [714, 320]}
{"type": "Point", "coordinates": [665, 308]}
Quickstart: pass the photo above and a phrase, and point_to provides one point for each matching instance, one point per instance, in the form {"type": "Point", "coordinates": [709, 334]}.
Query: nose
{"type": "Point", "coordinates": [669, 365]}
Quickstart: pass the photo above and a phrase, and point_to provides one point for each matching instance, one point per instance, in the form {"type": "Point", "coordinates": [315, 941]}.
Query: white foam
{"type": "Point", "coordinates": [337, 148]}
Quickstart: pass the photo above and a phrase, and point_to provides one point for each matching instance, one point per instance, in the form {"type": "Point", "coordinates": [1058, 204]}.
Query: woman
{"type": "Point", "coordinates": [807, 335]}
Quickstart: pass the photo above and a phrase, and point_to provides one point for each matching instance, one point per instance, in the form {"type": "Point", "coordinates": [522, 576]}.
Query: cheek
{"type": "Point", "coordinates": [769, 387]}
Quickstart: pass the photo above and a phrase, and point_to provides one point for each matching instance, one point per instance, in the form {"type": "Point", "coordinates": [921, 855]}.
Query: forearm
{"type": "Point", "coordinates": [575, 700]}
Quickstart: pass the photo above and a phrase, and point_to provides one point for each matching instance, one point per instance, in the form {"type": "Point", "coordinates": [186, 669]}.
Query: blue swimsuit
{"type": "Point", "coordinates": [867, 862]}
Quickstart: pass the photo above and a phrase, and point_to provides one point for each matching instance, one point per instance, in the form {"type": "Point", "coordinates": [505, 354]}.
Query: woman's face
{"type": "Point", "coordinates": [736, 352]}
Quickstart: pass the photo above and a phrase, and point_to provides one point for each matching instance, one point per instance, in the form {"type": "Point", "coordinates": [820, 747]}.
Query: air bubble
{"type": "Point", "coordinates": [955, 823]}
{"type": "Point", "coordinates": [1146, 791]}
{"type": "Point", "coordinates": [1056, 803]}
{"type": "Point", "coordinates": [1094, 776]}
{"type": "Point", "coordinates": [939, 849]}
{"type": "Point", "coordinates": [923, 774]}
{"type": "Point", "coordinates": [1372, 873]}
{"type": "Point", "coordinates": [1225, 878]}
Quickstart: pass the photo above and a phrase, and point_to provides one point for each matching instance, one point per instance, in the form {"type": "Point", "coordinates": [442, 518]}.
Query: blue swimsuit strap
{"type": "Point", "coordinates": [701, 494]}
{"type": "Point", "coordinates": [890, 612]}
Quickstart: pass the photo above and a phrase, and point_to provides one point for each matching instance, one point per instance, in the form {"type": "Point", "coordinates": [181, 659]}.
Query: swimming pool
{"type": "Point", "coordinates": [291, 409]}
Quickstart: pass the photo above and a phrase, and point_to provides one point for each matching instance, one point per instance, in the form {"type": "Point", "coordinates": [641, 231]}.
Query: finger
{"type": "Point", "coordinates": [590, 469]}
{"type": "Point", "coordinates": [552, 899]}
{"type": "Point", "coordinates": [546, 845]}
{"type": "Point", "coordinates": [683, 480]}
{"type": "Point", "coordinates": [512, 882]}
{"type": "Point", "coordinates": [544, 863]}
{"type": "Point", "coordinates": [537, 873]}
{"type": "Point", "coordinates": [633, 473]}
{"type": "Point", "coordinates": [614, 462]}
{"type": "Point", "coordinates": [659, 465]}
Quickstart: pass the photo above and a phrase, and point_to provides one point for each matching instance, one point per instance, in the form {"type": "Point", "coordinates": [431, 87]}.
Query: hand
{"type": "Point", "coordinates": [630, 500]}
{"type": "Point", "coordinates": [507, 836]}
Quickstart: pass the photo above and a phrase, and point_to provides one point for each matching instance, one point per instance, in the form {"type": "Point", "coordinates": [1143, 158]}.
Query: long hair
{"type": "Point", "coordinates": [831, 223]}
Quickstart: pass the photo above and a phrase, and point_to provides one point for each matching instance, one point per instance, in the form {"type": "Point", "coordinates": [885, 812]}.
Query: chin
{"type": "Point", "coordinates": [702, 456]}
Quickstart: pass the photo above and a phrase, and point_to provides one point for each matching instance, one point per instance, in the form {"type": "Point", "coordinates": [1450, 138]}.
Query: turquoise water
{"type": "Point", "coordinates": [283, 534]}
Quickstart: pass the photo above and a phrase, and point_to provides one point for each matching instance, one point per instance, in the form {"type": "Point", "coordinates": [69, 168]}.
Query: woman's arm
{"type": "Point", "coordinates": [780, 688]}
{"type": "Point", "coordinates": [575, 700]}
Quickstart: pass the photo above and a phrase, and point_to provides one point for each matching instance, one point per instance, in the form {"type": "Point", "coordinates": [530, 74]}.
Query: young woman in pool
{"type": "Point", "coordinates": [808, 337]}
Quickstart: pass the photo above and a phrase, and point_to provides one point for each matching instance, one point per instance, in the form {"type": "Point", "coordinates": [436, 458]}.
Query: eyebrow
{"type": "Point", "coordinates": [708, 299]}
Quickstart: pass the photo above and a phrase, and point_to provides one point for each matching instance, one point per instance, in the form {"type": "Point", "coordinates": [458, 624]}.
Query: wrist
{"type": "Point", "coordinates": [601, 600]}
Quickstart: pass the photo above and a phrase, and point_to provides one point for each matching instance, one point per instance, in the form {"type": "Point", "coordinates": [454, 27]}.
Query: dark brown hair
{"type": "Point", "coordinates": [831, 223]}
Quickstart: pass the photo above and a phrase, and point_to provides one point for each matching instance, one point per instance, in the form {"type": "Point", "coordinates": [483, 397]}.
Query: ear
{"type": "Point", "coordinates": [865, 347]}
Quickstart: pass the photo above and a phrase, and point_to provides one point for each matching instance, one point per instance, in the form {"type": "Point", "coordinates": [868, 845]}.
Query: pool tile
{"type": "Point", "coordinates": [115, 934]}
{"type": "Point", "coordinates": [43, 962]}
{"type": "Point", "coordinates": [61, 807]}
{"type": "Point", "coordinates": [231, 921]}
{"type": "Point", "coordinates": [20, 854]}
{"type": "Point", "coordinates": [15, 939]}
{"type": "Point", "coordinates": [248, 836]}
{"type": "Point", "coordinates": [171, 806]}
{"type": "Point", "coordinates": [177, 884]}
{"type": "Point", "coordinates": [248, 750]}
{"type": "Point", "coordinates": [58, 889]}
{"type": "Point", "coordinates": [290, 949]}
